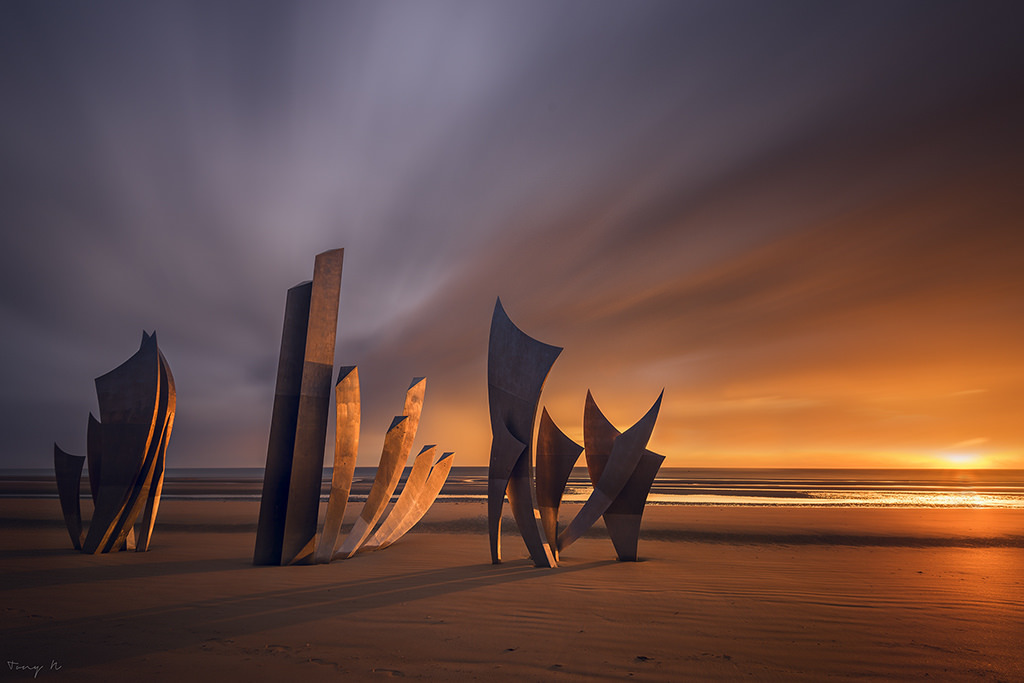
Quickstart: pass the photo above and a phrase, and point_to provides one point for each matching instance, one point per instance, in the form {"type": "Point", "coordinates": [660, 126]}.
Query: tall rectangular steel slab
{"type": "Point", "coordinates": [276, 476]}
{"type": "Point", "coordinates": [314, 404]}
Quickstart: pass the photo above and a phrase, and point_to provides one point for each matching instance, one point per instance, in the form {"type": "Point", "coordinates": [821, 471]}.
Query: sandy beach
{"type": "Point", "coordinates": [721, 593]}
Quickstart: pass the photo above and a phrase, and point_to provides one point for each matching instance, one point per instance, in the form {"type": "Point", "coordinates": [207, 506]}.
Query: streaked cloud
{"type": "Point", "coordinates": [800, 219]}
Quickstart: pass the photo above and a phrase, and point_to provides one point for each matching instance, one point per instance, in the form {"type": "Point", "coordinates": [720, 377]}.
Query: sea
{"type": "Point", "coordinates": [746, 487]}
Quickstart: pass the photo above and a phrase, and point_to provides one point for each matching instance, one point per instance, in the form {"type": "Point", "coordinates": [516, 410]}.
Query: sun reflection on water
{"type": "Point", "coordinates": [892, 498]}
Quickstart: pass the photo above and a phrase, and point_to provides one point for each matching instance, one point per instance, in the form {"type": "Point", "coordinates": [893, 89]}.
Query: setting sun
{"type": "Point", "coordinates": [964, 460]}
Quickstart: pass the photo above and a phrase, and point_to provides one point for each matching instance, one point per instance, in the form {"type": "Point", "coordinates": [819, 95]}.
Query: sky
{"type": "Point", "coordinates": [803, 220]}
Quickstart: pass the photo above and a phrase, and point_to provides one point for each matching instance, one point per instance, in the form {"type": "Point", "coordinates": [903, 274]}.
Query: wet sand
{"type": "Point", "coordinates": [721, 593]}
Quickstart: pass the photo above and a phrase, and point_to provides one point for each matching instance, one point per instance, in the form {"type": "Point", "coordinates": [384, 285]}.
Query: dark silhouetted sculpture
{"type": "Point", "coordinates": [68, 469]}
{"type": "Point", "coordinates": [126, 449]}
{"type": "Point", "coordinates": [556, 456]}
{"type": "Point", "coordinates": [627, 449]}
{"type": "Point", "coordinates": [621, 468]}
{"type": "Point", "coordinates": [517, 366]}
{"type": "Point", "coordinates": [287, 528]}
{"type": "Point", "coordinates": [623, 516]}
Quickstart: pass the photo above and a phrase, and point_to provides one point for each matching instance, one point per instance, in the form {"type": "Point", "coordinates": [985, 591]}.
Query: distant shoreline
{"type": "Point", "coordinates": [675, 486]}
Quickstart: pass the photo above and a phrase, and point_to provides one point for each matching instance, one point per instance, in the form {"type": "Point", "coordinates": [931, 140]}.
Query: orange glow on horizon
{"type": "Point", "coordinates": [799, 430]}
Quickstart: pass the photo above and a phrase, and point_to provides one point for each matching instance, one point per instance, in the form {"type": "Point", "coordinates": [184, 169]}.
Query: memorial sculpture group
{"type": "Point", "coordinates": [287, 529]}
{"type": "Point", "coordinates": [621, 468]}
{"type": "Point", "coordinates": [125, 451]}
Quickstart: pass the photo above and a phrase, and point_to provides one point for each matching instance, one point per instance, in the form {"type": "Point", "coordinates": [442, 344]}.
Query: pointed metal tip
{"type": "Point", "coordinates": [499, 310]}
{"type": "Point", "coordinates": [147, 339]}
{"type": "Point", "coordinates": [417, 380]}
{"type": "Point", "coordinates": [346, 370]}
{"type": "Point", "coordinates": [654, 409]}
{"type": "Point", "coordinates": [397, 421]}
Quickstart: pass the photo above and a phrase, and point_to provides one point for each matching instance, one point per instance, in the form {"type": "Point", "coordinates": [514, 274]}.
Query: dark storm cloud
{"type": "Point", "coordinates": [726, 199]}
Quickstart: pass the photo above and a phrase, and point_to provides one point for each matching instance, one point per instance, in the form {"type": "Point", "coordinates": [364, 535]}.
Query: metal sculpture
{"type": "Point", "coordinates": [627, 449]}
{"type": "Point", "coordinates": [417, 497]}
{"type": "Point", "coordinates": [346, 447]}
{"type": "Point", "coordinates": [556, 456]}
{"type": "Point", "coordinates": [623, 516]}
{"type": "Point", "coordinates": [414, 483]}
{"type": "Point", "coordinates": [397, 444]}
{"type": "Point", "coordinates": [314, 406]}
{"type": "Point", "coordinates": [421, 487]}
{"type": "Point", "coordinates": [126, 451]}
{"type": "Point", "coordinates": [517, 366]}
{"type": "Point", "coordinates": [621, 468]}
{"type": "Point", "coordinates": [286, 529]}
{"type": "Point", "coordinates": [68, 469]}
